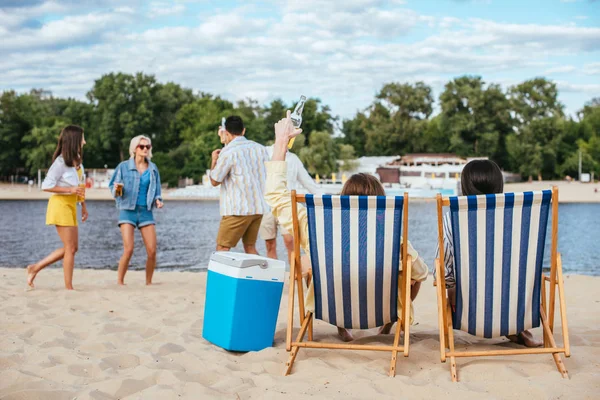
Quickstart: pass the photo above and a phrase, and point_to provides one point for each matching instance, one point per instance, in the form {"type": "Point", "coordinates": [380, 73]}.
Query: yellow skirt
{"type": "Point", "coordinates": [62, 210]}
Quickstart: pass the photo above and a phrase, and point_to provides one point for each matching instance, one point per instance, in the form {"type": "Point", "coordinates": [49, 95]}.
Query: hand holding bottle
{"type": "Point", "coordinates": [296, 117]}
{"type": "Point", "coordinates": [284, 132]}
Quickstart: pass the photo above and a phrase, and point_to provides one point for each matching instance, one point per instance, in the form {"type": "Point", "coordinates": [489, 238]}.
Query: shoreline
{"type": "Point", "coordinates": [569, 192]}
{"type": "Point", "coordinates": [102, 341]}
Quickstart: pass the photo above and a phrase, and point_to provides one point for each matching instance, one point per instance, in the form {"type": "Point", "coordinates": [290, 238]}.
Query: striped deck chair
{"type": "Point", "coordinates": [500, 289]}
{"type": "Point", "coordinates": [355, 248]}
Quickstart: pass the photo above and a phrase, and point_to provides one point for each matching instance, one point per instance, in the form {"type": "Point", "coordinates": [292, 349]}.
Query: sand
{"type": "Point", "coordinates": [107, 342]}
{"type": "Point", "coordinates": [573, 192]}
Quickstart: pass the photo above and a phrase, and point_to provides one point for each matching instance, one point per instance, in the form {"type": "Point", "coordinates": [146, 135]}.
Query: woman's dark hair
{"type": "Point", "coordinates": [363, 185]}
{"type": "Point", "coordinates": [69, 145]}
{"type": "Point", "coordinates": [481, 177]}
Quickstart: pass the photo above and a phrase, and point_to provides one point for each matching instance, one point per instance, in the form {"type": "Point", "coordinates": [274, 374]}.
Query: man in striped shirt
{"type": "Point", "coordinates": [240, 170]}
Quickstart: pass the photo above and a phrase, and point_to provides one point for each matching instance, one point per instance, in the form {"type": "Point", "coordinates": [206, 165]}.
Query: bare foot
{"type": "Point", "coordinates": [386, 329]}
{"type": "Point", "coordinates": [345, 334]}
{"type": "Point", "coordinates": [121, 283]}
{"type": "Point", "coordinates": [526, 339]}
{"type": "Point", "coordinates": [148, 283]}
{"type": "Point", "coordinates": [31, 273]}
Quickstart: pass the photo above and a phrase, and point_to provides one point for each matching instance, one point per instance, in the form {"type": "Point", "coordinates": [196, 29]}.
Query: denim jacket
{"type": "Point", "coordinates": [127, 174]}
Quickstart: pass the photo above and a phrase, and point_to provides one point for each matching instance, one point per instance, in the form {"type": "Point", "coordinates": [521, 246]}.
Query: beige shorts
{"type": "Point", "coordinates": [268, 227]}
{"type": "Point", "coordinates": [236, 227]}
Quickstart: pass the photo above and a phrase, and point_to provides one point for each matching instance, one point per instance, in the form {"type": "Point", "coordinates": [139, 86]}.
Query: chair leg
{"type": "Point", "coordinates": [556, 356]}
{"type": "Point", "coordinates": [563, 307]}
{"type": "Point", "coordinates": [310, 325]}
{"type": "Point", "coordinates": [441, 313]}
{"type": "Point", "coordinates": [407, 306]}
{"type": "Point", "coordinates": [395, 352]}
{"type": "Point", "coordinates": [544, 307]}
{"type": "Point", "coordinates": [450, 332]}
{"type": "Point", "coordinates": [295, 349]}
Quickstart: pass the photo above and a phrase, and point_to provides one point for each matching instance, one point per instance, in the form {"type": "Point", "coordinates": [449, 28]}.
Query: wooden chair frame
{"type": "Point", "coordinates": [547, 309]}
{"type": "Point", "coordinates": [306, 317]}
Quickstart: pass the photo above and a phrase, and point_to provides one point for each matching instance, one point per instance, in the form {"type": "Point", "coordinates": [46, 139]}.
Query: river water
{"type": "Point", "coordinates": [187, 230]}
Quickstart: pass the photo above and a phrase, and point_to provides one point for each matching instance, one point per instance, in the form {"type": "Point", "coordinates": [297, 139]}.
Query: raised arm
{"type": "Point", "coordinates": [277, 194]}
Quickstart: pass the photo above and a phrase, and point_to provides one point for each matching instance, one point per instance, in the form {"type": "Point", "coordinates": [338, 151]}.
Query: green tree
{"type": "Point", "coordinates": [476, 118]}
{"type": "Point", "coordinates": [320, 156]}
{"type": "Point", "coordinates": [397, 120]}
{"type": "Point", "coordinates": [40, 144]}
{"type": "Point", "coordinates": [123, 108]}
{"type": "Point", "coordinates": [537, 125]}
{"type": "Point", "coordinates": [347, 158]}
{"type": "Point", "coordinates": [19, 114]}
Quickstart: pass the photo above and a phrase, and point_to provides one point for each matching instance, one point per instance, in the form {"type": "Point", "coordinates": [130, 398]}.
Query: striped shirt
{"type": "Point", "coordinates": [448, 253]}
{"type": "Point", "coordinates": [241, 171]}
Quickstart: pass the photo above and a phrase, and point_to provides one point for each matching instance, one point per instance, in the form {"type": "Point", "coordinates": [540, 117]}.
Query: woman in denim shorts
{"type": "Point", "coordinates": [135, 185]}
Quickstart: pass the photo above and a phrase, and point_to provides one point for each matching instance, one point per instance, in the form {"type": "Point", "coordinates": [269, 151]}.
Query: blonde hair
{"type": "Point", "coordinates": [134, 144]}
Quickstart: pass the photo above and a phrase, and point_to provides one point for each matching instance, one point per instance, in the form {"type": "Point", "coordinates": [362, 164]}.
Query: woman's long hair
{"type": "Point", "coordinates": [363, 185]}
{"type": "Point", "coordinates": [69, 145]}
{"type": "Point", "coordinates": [481, 177]}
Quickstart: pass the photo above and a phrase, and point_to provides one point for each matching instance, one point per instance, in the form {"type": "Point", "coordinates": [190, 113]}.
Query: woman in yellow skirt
{"type": "Point", "coordinates": [62, 181]}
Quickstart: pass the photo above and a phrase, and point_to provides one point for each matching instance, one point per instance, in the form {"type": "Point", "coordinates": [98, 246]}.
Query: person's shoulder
{"type": "Point", "coordinates": [59, 160]}
{"type": "Point", "coordinates": [292, 157]}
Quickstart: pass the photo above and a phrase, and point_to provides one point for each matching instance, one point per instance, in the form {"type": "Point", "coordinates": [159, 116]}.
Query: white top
{"type": "Point", "coordinates": [241, 171]}
{"type": "Point", "coordinates": [297, 175]}
{"type": "Point", "coordinates": [61, 175]}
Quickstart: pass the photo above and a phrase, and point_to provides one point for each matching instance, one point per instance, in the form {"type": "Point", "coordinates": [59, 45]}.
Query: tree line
{"type": "Point", "coordinates": [523, 128]}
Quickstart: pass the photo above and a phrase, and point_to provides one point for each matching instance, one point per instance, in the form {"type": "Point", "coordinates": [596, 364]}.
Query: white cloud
{"type": "Point", "coordinates": [560, 70]}
{"type": "Point", "coordinates": [71, 30]}
{"type": "Point", "coordinates": [164, 8]}
{"type": "Point", "coordinates": [592, 68]}
{"type": "Point", "coordinates": [341, 52]}
{"type": "Point", "coordinates": [589, 88]}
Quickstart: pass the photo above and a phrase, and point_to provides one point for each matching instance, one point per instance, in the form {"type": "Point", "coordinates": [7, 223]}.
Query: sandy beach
{"type": "Point", "coordinates": [573, 192]}
{"type": "Point", "coordinates": [106, 342]}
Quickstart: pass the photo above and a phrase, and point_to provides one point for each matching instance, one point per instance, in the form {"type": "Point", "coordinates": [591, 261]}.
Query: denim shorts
{"type": "Point", "coordinates": [139, 217]}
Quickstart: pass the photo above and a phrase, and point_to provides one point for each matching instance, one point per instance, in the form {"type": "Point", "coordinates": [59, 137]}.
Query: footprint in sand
{"type": "Point", "coordinates": [84, 370]}
{"type": "Point", "coordinates": [122, 361]}
{"type": "Point", "coordinates": [170, 348]}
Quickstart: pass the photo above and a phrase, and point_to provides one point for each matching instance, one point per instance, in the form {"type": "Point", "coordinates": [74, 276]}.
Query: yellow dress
{"type": "Point", "coordinates": [62, 208]}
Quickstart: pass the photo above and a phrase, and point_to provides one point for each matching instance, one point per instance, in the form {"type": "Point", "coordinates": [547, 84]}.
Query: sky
{"type": "Point", "coordinates": [339, 51]}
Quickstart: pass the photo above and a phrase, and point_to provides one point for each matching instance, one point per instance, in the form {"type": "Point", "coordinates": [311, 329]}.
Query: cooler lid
{"type": "Point", "coordinates": [238, 260]}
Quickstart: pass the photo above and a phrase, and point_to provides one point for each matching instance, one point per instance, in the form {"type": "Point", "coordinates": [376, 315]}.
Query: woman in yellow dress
{"type": "Point", "coordinates": [62, 181]}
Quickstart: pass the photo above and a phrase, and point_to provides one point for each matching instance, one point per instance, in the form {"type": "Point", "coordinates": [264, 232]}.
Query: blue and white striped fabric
{"type": "Point", "coordinates": [498, 253]}
{"type": "Point", "coordinates": [355, 252]}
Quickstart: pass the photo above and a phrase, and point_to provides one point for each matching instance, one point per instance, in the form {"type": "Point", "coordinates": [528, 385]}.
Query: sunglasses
{"type": "Point", "coordinates": [144, 146]}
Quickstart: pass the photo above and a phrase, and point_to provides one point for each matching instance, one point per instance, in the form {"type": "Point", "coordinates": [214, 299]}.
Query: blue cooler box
{"type": "Point", "coordinates": [243, 292]}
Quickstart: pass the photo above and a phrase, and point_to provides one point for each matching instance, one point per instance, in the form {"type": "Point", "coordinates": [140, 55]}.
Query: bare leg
{"type": "Point", "coordinates": [288, 240]}
{"type": "Point", "coordinates": [223, 248]}
{"type": "Point", "coordinates": [271, 246]}
{"type": "Point", "coordinates": [525, 338]}
{"type": "Point", "coordinates": [127, 234]}
{"type": "Point", "coordinates": [70, 238]}
{"type": "Point", "coordinates": [251, 249]}
{"type": "Point", "coordinates": [51, 258]}
{"type": "Point", "coordinates": [149, 237]}
{"type": "Point", "coordinates": [414, 291]}
{"type": "Point", "coordinates": [345, 334]}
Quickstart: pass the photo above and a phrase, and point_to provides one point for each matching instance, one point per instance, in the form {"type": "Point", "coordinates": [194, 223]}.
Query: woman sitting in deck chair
{"type": "Point", "coordinates": [279, 199]}
{"type": "Point", "coordinates": [478, 177]}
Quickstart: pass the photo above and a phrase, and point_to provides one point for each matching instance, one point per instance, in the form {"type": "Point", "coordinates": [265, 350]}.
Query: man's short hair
{"type": "Point", "coordinates": [234, 125]}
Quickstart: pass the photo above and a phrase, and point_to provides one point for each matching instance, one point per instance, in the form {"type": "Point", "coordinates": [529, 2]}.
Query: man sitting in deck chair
{"type": "Point", "coordinates": [492, 248]}
{"type": "Point", "coordinates": [368, 285]}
